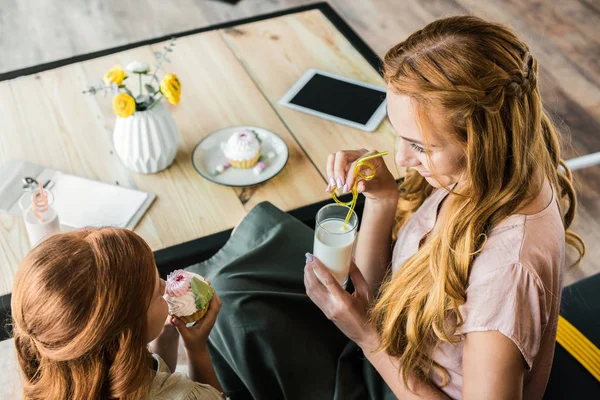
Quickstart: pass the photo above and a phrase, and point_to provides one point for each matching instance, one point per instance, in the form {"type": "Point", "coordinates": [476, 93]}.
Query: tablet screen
{"type": "Point", "coordinates": [339, 98]}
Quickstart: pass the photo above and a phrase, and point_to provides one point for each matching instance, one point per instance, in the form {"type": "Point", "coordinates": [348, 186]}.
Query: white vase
{"type": "Point", "coordinates": [147, 141]}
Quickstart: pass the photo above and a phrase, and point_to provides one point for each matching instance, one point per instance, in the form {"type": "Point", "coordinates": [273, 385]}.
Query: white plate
{"type": "Point", "coordinates": [207, 155]}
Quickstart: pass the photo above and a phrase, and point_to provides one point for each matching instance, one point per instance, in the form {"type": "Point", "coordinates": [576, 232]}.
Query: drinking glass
{"type": "Point", "coordinates": [334, 242]}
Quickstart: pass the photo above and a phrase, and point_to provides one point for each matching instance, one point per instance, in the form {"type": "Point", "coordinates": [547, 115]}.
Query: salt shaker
{"type": "Point", "coordinates": [41, 219]}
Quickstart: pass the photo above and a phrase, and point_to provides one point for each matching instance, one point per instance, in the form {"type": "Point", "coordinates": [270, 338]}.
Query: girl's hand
{"type": "Point", "coordinates": [196, 336]}
{"type": "Point", "coordinates": [165, 345]}
{"type": "Point", "coordinates": [169, 330]}
{"type": "Point", "coordinates": [341, 173]}
{"type": "Point", "coordinates": [169, 333]}
{"type": "Point", "coordinates": [347, 311]}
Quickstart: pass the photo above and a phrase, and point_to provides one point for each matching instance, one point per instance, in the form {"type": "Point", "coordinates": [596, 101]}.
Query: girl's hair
{"type": "Point", "coordinates": [483, 79]}
{"type": "Point", "coordinates": [79, 307]}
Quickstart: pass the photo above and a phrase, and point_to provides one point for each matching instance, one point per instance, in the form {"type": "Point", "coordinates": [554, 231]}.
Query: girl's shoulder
{"type": "Point", "coordinates": [168, 385]}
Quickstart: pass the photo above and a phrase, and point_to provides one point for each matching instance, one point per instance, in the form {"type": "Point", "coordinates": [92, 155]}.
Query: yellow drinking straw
{"type": "Point", "coordinates": [362, 162]}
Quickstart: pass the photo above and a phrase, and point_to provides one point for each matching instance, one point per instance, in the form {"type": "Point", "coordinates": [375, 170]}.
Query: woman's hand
{"type": "Point", "coordinates": [341, 173]}
{"type": "Point", "coordinates": [196, 336]}
{"type": "Point", "coordinates": [347, 311]}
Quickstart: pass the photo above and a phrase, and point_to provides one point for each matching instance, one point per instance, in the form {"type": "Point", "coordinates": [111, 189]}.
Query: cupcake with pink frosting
{"type": "Point", "coordinates": [188, 295]}
{"type": "Point", "coordinates": [242, 149]}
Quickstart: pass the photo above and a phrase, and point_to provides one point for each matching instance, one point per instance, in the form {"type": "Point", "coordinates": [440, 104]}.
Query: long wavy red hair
{"type": "Point", "coordinates": [483, 79]}
{"type": "Point", "coordinates": [79, 316]}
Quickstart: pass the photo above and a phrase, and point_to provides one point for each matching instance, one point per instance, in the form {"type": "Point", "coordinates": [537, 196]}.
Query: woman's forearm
{"type": "Point", "coordinates": [374, 246]}
{"type": "Point", "coordinates": [389, 369]}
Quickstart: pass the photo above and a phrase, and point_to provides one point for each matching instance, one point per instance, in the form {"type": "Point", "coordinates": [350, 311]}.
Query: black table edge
{"type": "Point", "coordinates": [200, 249]}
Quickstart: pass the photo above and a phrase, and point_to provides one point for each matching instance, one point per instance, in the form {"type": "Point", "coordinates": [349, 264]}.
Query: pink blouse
{"type": "Point", "coordinates": [514, 288]}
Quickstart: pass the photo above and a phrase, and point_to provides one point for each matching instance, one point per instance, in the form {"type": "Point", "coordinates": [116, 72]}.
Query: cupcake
{"type": "Point", "coordinates": [242, 149]}
{"type": "Point", "coordinates": [188, 295]}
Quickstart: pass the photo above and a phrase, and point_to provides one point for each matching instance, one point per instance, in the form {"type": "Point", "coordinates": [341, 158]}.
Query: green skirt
{"type": "Point", "coordinates": [270, 340]}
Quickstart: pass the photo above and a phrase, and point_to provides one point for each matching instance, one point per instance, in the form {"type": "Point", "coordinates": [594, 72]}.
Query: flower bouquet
{"type": "Point", "coordinates": [145, 137]}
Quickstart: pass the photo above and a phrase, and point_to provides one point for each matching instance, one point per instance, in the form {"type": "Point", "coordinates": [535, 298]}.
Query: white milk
{"type": "Point", "coordinates": [335, 250]}
{"type": "Point", "coordinates": [36, 230]}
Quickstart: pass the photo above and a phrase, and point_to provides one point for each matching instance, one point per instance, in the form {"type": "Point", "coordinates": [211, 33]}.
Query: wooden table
{"type": "Point", "coordinates": [231, 75]}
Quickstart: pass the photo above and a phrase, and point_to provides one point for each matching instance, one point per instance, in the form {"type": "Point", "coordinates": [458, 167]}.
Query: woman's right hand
{"type": "Point", "coordinates": [196, 336]}
{"type": "Point", "coordinates": [341, 173]}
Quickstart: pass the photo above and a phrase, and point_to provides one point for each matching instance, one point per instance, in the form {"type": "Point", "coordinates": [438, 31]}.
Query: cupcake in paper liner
{"type": "Point", "coordinates": [242, 149]}
{"type": "Point", "coordinates": [188, 295]}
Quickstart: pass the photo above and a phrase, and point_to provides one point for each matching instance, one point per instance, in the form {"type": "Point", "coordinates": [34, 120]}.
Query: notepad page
{"type": "Point", "coordinates": [83, 202]}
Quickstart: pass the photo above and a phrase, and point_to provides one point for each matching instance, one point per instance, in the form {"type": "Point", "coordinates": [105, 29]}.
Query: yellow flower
{"type": "Point", "coordinates": [115, 74]}
{"type": "Point", "coordinates": [171, 88]}
{"type": "Point", "coordinates": [124, 105]}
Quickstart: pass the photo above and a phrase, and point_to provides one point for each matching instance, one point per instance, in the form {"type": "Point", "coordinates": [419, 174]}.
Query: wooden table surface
{"type": "Point", "coordinates": [231, 76]}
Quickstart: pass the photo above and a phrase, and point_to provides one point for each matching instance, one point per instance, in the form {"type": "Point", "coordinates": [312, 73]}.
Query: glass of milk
{"type": "Point", "coordinates": [334, 242]}
{"type": "Point", "coordinates": [38, 230]}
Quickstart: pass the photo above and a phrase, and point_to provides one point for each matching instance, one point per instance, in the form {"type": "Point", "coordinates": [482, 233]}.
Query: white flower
{"type": "Point", "coordinates": [138, 67]}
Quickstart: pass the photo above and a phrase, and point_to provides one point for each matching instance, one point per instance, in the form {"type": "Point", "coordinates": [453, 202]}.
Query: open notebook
{"type": "Point", "coordinates": [78, 201]}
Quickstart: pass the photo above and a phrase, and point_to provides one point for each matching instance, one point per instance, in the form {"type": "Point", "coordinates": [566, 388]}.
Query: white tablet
{"type": "Point", "coordinates": [338, 99]}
